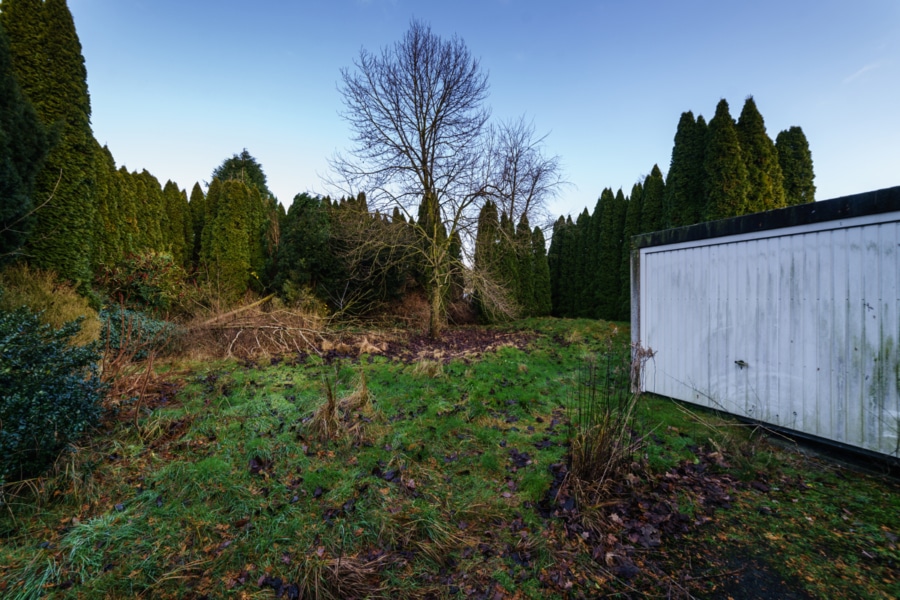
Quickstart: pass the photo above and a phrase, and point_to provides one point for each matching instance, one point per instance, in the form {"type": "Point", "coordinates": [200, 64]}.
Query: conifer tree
{"type": "Point", "coordinates": [151, 212]}
{"type": "Point", "coordinates": [632, 228]}
{"type": "Point", "coordinates": [652, 202]}
{"type": "Point", "coordinates": [583, 304]}
{"type": "Point", "coordinates": [507, 265]}
{"type": "Point", "coordinates": [554, 264]}
{"type": "Point", "coordinates": [213, 196]}
{"type": "Point", "coordinates": [569, 270]}
{"type": "Point", "coordinates": [304, 256]}
{"type": "Point", "coordinates": [244, 168]}
{"type": "Point", "coordinates": [685, 195]}
{"type": "Point", "coordinates": [766, 183]}
{"type": "Point", "coordinates": [796, 163]}
{"type": "Point", "coordinates": [108, 235]}
{"type": "Point", "coordinates": [197, 205]}
{"type": "Point", "coordinates": [591, 260]}
{"type": "Point", "coordinates": [609, 283]}
{"type": "Point", "coordinates": [49, 66]}
{"type": "Point", "coordinates": [178, 223]}
{"type": "Point", "coordinates": [229, 252]}
{"type": "Point", "coordinates": [524, 267]}
{"type": "Point", "coordinates": [726, 174]}
{"type": "Point", "coordinates": [24, 144]}
{"type": "Point", "coordinates": [542, 297]}
{"type": "Point", "coordinates": [127, 218]}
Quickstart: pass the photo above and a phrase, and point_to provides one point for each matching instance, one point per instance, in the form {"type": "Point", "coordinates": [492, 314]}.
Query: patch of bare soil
{"type": "Point", "coordinates": [462, 342]}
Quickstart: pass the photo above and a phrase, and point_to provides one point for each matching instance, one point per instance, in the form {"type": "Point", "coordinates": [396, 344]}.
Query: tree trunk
{"type": "Point", "coordinates": [435, 321]}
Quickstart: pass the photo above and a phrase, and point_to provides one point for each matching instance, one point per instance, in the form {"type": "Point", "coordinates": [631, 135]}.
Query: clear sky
{"type": "Point", "coordinates": [177, 86]}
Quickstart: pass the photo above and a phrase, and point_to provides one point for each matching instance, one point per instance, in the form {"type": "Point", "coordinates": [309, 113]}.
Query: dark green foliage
{"type": "Point", "coordinates": [49, 66]}
{"type": "Point", "coordinates": [652, 205]}
{"type": "Point", "coordinates": [305, 258]}
{"type": "Point", "coordinates": [24, 144]}
{"type": "Point", "coordinates": [197, 204]}
{"type": "Point", "coordinates": [582, 271]}
{"type": "Point", "coordinates": [228, 257]}
{"type": "Point", "coordinates": [796, 166]}
{"type": "Point", "coordinates": [542, 287]}
{"type": "Point", "coordinates": [555, 264]}
{"type": "Point", "coordinates": [727, 186]}
{"type": "Point", "coordinates": [507, 263]}
{"type": "Point", "coordinates": [110, 226]}
{"type": "Point", "coordinates": [150, 281]}
{"type": "Point", "coordinates": [179, 234]}
{"type": "Point", "coordinates": [135, 333]}
{"type": "Point", "coordinates": [524, 268]}
{"type": "Point", "coordinates": [609, 281]}
{"type": "Point", "coordinates": [685, 182]}
{"type": "Point", "coordinates": [244, 168]}
{"type": "Point", "coordinates": [51, 392]}
{"type": "Point", "coordinates": [766, 183]}
{"type": "Point", "coordinates": [150, 212]}
{"type": "Point", "coordinates": [487, 240]}
{"type": "Point", "coordinates": [632, 227]}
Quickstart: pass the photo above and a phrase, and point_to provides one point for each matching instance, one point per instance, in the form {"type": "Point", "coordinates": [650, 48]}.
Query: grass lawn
{"type": "Point", "coordinates": [437, 472]}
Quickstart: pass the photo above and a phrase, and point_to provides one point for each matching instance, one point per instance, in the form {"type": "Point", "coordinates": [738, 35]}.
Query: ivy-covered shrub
{"type": "Point", "coordinates": [151, 282]}
{"type": "Point", "coordinates": [136, 332]}
{"type": "Point", "coordinates": [50, 392]}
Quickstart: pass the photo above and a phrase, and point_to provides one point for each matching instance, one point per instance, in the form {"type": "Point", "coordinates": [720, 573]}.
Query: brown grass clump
{"type": "Point", "coordinates": [347, 416]}
{"type": "Point", "coordinates": [428, 368]}
{"type": "Point", "coordinates": [56, 301]}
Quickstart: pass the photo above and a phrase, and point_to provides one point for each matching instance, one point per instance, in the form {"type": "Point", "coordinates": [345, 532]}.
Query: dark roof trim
{"type": "Point", "coordinates": [845, 207]}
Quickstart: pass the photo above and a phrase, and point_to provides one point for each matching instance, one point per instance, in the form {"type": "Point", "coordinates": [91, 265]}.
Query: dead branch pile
{"type": "Point", "coordinates": [257, 330]}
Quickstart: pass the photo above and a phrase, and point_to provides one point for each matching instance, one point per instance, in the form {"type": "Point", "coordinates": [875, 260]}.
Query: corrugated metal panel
{"type": "Point", "coordinates": [813, 312]}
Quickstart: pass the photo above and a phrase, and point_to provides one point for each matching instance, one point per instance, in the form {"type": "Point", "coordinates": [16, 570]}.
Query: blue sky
{"type": "Point", "coordinates": [177, 86]}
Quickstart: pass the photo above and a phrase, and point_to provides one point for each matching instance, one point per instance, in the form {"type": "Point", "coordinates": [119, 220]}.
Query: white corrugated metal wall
{"type": "Point", "coordinates": [813, 311]}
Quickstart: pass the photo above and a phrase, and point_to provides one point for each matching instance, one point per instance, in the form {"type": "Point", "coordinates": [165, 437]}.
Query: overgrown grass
{"type": "Point", "coordinates": [429, 482]}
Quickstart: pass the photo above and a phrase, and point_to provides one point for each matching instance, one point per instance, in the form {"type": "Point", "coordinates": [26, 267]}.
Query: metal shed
{"type": "Point", "coordinates": [789, 317]}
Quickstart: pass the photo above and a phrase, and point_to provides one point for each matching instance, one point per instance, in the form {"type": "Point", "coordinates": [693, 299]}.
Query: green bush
{"type": "Point", "coordinates": [135, 332]}
{"type": "Point", "coordinates": [151, 282]}
{"type": "Point", "coordinates": [50, 392]}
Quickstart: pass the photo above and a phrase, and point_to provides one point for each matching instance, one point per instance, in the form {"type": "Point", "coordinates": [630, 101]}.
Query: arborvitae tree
{"type": "Point", "coordinates": [258, 223]}
{"type": "Point", "coordinates": [685, 194]}
{"type": "Point", "coordinates": [229, 252]}
{"type": "Point", "coordinates": [48, 64]}
{"type": "Point", "coordinates": [487, 237]}
{"type": "Point", "coordinates": [632, 228]}
{"type": "Point", "coordinates": [727, 186]}
{"type": "Point", "coordinates": [524, 267]}
{"type": "Point", "coordinates": [766, 183]}
{"type": "Point", "coordinates": [541, 303]}
{"type": "Point", "coordinates": [179, 225]}
{"type": "Point", "coordinates": [213, 197]}
{"type": "Point", "coordinates": [126, 190]}
{"type": "Point", "coordinates": [569, 271]}
{"type": "Point", "coordinates": [582, 282]}
{"type": "Point", "coordinates": [197, 204]}
{"type": "Point", "coordinates": [796, 163]}
{"type": "Point", "coordinates": [24, 144]}
{"type": "Point", "coordinates": [610, 282]}
{"type": "Point", "coordinates": [151, 212]}
{"type": "Point", "coordinates": [590, 262]}
{"type": "Point", "coordinates": [110, 227]}
{"type": "Point", "coordinates": [554, 263]}
{"type": "Point", "coordinates": [507, 272]}
{"type": "Point", "coordinates": [652, 204]}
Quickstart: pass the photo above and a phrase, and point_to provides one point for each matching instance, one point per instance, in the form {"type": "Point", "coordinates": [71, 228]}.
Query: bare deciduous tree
{"type": "Point", "coordinates": [418, 116]}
